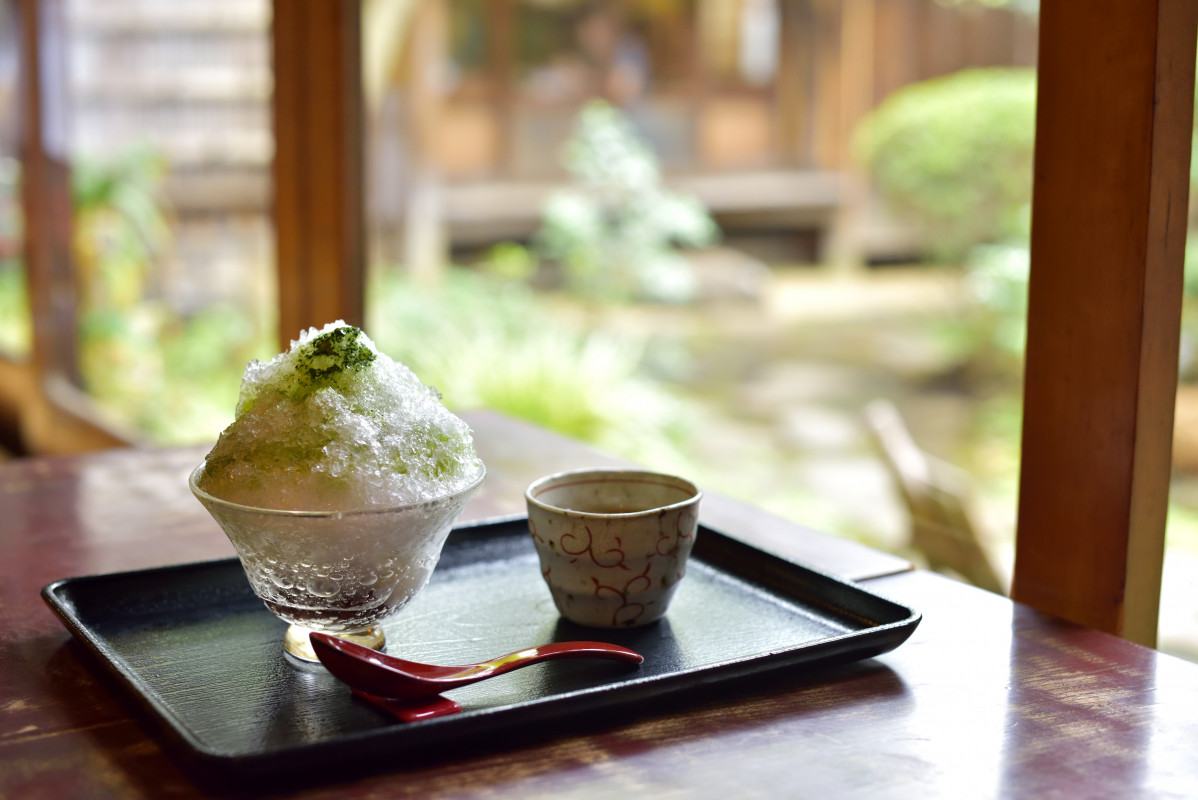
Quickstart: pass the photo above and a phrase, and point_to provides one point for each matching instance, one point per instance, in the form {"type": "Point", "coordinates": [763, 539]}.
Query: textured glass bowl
{"type": "Point", "coordinates": [339, 572]}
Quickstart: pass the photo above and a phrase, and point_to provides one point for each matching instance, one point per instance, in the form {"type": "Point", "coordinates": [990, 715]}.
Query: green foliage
{"type": "Point", "coordinates": [954, 156]}
{"type": "Point", "coordinates": [1189, 310]}
{"type": "Point", "coordinates": [175, 380]}
{"type": "Point", "coordinates": [485, 342]}
{"type": "Point", "coordinates": [997, 283]}
{"type": "Point", "coordinates": [121, 226]}
{"type": "Point", "coordinates": [120, 229]}
{"type": "Point", "coordinates": [1030, 8]}
{"type": "Point", "coordinates": [1190, 279]}
{"type": "Point", "coordinates": [15, 325]}
{"type": "Point", "coordinates": [617, 230]}
{"type": "Point", "coordinates": [511, 261]}
{"type": "Point", "coordinates": [1194, 152]}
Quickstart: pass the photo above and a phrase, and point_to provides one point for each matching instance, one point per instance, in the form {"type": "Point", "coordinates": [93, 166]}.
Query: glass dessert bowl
{"type": "Point", "coordinates": [337, 572]}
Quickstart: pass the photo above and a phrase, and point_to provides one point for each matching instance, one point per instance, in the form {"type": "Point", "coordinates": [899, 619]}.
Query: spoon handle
{"type": "Point", "coordinates": [544, 652]}
{"type": "Point", "coordinates": [386, 676]}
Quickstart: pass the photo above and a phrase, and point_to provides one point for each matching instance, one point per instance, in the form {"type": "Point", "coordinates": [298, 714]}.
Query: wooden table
{"type": "Point", "coordinates": [987, 699]}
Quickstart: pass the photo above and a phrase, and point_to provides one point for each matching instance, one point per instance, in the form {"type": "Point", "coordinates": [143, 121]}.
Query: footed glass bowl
{"type": "Point", "coordinates": [339, 572]}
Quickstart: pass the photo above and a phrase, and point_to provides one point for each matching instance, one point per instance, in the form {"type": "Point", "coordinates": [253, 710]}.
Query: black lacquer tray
{"type": "Point", "coordinates": [202, 654]}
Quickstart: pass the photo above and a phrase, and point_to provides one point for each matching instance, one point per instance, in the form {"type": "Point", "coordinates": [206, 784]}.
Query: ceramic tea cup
{"type": "Point", "coordinates": [613, 543]}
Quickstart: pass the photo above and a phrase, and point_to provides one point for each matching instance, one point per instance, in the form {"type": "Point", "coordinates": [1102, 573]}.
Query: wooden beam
{"type": "Point", "coordinates": [501, 38]}
{"type": "Point", "coordinates": [827, 143]}
{"type": "Point", "coordinates": [46, 201]}
{"type": "Point", "coordinates": [1116, 90]}
{"type": "Point", "coordinates": [426, 246]}
{"type": "Point", "coordinates": [796, 79]}
{"type": "Point", "coordinates": [856, 88]}
{"type": "Point", "coordinates": [318, 197]}
{"type": "Point", "coordinates": [44, 403]}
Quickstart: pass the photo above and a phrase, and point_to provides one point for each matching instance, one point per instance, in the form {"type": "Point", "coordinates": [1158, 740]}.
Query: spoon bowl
{"type": "Point", "coordinates": [379, 674]}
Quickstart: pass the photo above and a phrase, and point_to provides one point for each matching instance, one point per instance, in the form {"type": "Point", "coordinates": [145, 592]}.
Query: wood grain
{"type": "Point", "coordinates": [46, 201]}
{"type": "Point", "coordinates": [988, 698]}
{"type": "Point", "coordinates": [1108, 239]}
{"type": "Point", "coordinates": [317, 169]}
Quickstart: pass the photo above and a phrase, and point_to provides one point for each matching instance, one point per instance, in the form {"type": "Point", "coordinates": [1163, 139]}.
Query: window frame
{"type": "Point", "coordinates": [1107, 250]}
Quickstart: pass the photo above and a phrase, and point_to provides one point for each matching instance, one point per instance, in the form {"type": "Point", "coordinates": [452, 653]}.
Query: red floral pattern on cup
{"type": "Point", "coordinates": [628, 612]}
{"type": "Point", "coordinates": [615, 568]}
{"type": "Point", "coordinates": [613, 555]}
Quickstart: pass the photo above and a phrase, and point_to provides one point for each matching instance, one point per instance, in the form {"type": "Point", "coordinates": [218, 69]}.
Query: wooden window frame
{"type": "Point", "coordinates": [1114, 121]}
{"type": "Point", "coordinates": [1114, 124]}
{"type": "Point", "coordinates": [42, 407]}
{"type": "Point", "coordinates": [1110, 193]}
{"type": "Point", "coordinates": [317, 170]}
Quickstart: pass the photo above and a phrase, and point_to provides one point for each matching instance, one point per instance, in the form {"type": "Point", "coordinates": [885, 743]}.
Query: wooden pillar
{"type": "Point", "coordinates": [796, 68]}
{"type": "Point", "coordinates": [46, 187]}
{"type": "Point", "coordinates": [318, 196]}
{"type": "Point", "coordinates": [1116, 90]}
{"type": "Point", "coordinates": [843, 248]}
{"type": "Point", "coordinates": [54, 415]}
{"type": "Point", "coordinates": [426, 240]}
{"type": "Point", "coordinates": [501, 33]}
{"type": "Point", "coordinates": [856, 73]}
{"type": "Point", "coordinates": [826, 142]}
{"type": "Point", "coordinates": [698, 84]}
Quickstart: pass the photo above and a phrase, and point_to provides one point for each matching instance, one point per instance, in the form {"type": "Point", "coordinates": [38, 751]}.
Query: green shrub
{"type": "Point", "coordinates": [615, 232]}
{"type": "Point", "coordinates": [122, 228]}
{"type": "Point", "coordinates": [171, 376]}
{"type": "Point", "coordinates": [175, 380]}
{"type": "Point", "coordinates": [16, 328]}
{"type": "Point", "coordinates": [484, 342]}
{"type": "Point", "coordinates": [953, 155]}
{"type": "Point", "coordinates": [996, 282]}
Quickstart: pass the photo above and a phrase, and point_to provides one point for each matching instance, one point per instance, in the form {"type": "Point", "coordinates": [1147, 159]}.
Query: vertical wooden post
{"type": "Point", "coordinates": [698, 81]}
{"type": "Point", "coordinates": [46, 187]}
{"type": "Point", "coordinates": [318, 192]}
{"type": "Point", "coordinates": [826, 92]}
{"type": "Point", "coordinates": [502, 38]}
{"type": "Point", "coordinates": [856, 89]}
{"type": "Point", "coordinates": [793, 96]}
{"type": "Point", "coordinates": [843, 250]}
{"type": "Point", "coordinates": [426, 245]}
{"type": "Point", "coordinates": [1116, 90]}
{"type": "Point", "coordinates": [55, 416]}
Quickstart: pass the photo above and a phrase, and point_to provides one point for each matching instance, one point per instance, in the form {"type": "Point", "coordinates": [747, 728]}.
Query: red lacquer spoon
{"type": "Point", "coordinates": [371, 672]}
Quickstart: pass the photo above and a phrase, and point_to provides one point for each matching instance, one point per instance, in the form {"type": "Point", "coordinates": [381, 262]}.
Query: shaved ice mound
{"type": "Point", "coordinates": [332, 424]}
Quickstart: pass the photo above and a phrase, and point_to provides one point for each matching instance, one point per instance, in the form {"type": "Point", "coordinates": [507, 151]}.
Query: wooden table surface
{"type": "Point", "coordinates": [987, 699]}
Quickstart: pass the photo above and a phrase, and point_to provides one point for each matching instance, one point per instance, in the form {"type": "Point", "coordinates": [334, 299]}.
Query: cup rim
{"type": "Point", "coordinates": [206, 498]}
{"type": "Point", "coordinates": [539, 486]}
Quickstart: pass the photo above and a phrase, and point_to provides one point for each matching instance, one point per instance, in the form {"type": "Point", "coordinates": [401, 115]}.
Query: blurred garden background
{"type": "Point", "coordinates": [700, 234]}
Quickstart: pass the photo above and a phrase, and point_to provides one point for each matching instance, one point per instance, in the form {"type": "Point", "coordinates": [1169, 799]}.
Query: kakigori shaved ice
{"type": "Point", "coordinates": [332, 424]}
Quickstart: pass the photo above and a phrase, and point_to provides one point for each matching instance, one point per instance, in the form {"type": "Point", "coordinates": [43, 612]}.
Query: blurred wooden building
{"type": "Point", "coordinates": [750, 104]}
